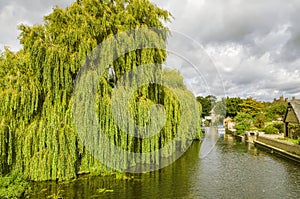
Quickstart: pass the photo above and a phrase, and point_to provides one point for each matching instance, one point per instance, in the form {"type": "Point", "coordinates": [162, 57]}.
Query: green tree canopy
{"type": "Point", "coordinates": [251, 106]}
{"type": "Point", "coordinates": [275, 110]}
{"type": "Point", "coordinates": [207, 104]}
{"type": "Point", "coordinates": [244, 122]}
{"type": "Point", "coordinates": [220, 108]}
{"type": "Point", "coordinates": [233, 106]}
{"type": "Point", "coordinates": [37, 134]}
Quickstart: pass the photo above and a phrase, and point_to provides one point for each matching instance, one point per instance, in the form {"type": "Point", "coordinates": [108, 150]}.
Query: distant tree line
{"type": "Point", "coordinates": [247, 113]}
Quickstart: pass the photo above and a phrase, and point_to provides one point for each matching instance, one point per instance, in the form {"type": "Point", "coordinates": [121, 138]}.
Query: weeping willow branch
{"type": "Point", "coordinates": [37, 133]}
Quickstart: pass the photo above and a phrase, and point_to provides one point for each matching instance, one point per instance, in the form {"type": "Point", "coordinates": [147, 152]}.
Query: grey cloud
{"type": "Point", "coordinates": [241, 22]}
{"type": "Point", "coordinates": [223, 21]}
{"type": "Point", "coordinates": [254, 46]}
{"type": "Point", "coordinates": [291, 51]}
{"type": "Point", "coordinates": [284, 86]}
{"type": "Point", "coordinates": [266, 85]}
{"type": "Point", "coordinates": [14, 12]}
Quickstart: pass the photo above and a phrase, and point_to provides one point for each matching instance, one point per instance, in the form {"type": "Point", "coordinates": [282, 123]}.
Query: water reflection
{"type": "Point", "coordinates": [209, 141]}
{"type": "Point", "coordinates": [230, 170]}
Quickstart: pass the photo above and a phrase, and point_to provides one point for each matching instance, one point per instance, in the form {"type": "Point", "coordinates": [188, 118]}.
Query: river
{"type": "Point", "coordinates": [231, 169]}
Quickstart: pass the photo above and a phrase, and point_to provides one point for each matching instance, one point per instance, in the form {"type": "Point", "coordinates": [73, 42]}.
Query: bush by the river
{"type": "Point", "coordinates": [279, 126]}
{"type": "Point", "coordinates": [13, 186]}
{"type": "Point", "coordinates": [271, 130]}
{"type": "Point", "coordinates": [244, 122]}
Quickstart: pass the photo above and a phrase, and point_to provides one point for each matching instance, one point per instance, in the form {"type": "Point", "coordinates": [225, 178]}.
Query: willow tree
{"type": "Point", "coordinates": [38, 137]}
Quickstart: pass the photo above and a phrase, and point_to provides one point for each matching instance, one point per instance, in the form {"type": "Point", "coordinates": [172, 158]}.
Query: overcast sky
{"type": "Point", "coordinates": [222, 47]}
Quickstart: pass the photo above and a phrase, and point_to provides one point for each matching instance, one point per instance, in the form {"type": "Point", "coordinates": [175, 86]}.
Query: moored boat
{"type": "Point", "coordinates": [221, 130]}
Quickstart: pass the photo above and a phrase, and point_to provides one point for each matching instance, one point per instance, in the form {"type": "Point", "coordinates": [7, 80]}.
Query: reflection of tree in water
{"type": "Point", "coordinates": [209, 141]}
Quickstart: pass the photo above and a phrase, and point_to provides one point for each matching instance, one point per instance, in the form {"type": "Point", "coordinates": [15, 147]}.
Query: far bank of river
{"type": "Point", "coordinates": [231, 170]}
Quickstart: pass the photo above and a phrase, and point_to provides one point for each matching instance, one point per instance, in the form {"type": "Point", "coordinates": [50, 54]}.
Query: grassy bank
{"type": "Point", "coordinates": [295, 141]}
{"type": "Point", "coordinates": [13, 186]}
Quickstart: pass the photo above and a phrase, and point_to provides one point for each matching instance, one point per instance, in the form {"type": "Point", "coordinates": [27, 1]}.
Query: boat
{"type": "Point", "coordinates": [221, 130]}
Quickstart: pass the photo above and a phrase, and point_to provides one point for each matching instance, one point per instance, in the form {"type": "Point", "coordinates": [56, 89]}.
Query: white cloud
{"type": "Point", "coordinates": [255, 45]}
{"type": "Point", "coordinates": [15, 12]}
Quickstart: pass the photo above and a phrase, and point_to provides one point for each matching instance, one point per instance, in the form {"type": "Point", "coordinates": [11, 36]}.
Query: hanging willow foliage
{"type": "Point", "coordinates": [37, 133]}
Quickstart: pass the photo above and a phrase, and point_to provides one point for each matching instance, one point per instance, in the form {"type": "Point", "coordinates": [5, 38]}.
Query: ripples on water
{"type": "Point", "coordinates": [230, 170]}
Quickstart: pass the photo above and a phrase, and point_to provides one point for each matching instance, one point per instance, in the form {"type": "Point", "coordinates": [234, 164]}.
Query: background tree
{"type": "Point", "coordinates": [220, 111]}
{"type": "Point", "coordinates": [207, 104]}
{"type": "Point", "coordinates": [233, 106]}
{"type": "Point", "coordinates": [212, 99]}
{"type": "Point", "coordinates": [253, 113]}
{"type": "Point", "coordinates": [259, 120]}
{"type": "Point", "coordinates": [251, 106]}
{"type": "Point", "coordinates": [275, 110]}
{"type": "Point", "coordinates": [220, 108]}
{"type": "Point", "coordinates": [244, 122]}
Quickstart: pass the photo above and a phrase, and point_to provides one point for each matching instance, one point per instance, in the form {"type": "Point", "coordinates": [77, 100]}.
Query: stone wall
{"type": "Point", "coordinates": [289, 147]}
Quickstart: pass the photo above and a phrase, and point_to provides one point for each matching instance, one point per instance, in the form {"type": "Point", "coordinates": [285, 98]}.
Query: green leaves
{"type": "Point", "coordinates": [37, 134]}
{"type": "Point", "coordinates": [244, 122]}
{"type": "Point", "coordinates": [207, 105]}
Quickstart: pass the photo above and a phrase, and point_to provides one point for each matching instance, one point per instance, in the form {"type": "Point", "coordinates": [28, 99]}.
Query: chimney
{"type": "Point", "coordinates": [281, 98]}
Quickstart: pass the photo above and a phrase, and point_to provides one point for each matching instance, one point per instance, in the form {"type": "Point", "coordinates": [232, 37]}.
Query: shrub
{"type": "Point", "coordinates": [279, 126]}
{"type": "Point", "coordinates": [244, 122]}
{"type": "Point", "coordinates": [271, 130]}
{"type": "Point", "coordinates": [241, 127]}
{"type": "Point", "coordinates": [260, 121]}
{"type": "Point", "coordinates": [13, 186]}
{"type": "Point", "coordinates": [294, 131]}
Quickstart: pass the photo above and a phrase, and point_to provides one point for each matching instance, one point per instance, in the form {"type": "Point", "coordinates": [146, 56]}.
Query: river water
{"type": "Point", "coordinates": [230, 169]}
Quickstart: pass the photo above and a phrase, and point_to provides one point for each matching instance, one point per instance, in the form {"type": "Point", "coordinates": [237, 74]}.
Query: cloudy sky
{"type": "Point", "coordinates": [222, 47]}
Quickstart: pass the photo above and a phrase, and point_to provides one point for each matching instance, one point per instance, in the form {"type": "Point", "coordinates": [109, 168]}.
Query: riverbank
{"type": "Point", "coordinates": [17, 186]}
{"type": "Point", "coordinates": [231, 165]}
{"type": "Point", "coordinates": [277, 151]}
{"type": "Point", "coordinates": [13, 186]}
{"type": "Point", "coordinates": [271, 143]}
{"type": "Point", "coordinates": [277, 147]}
